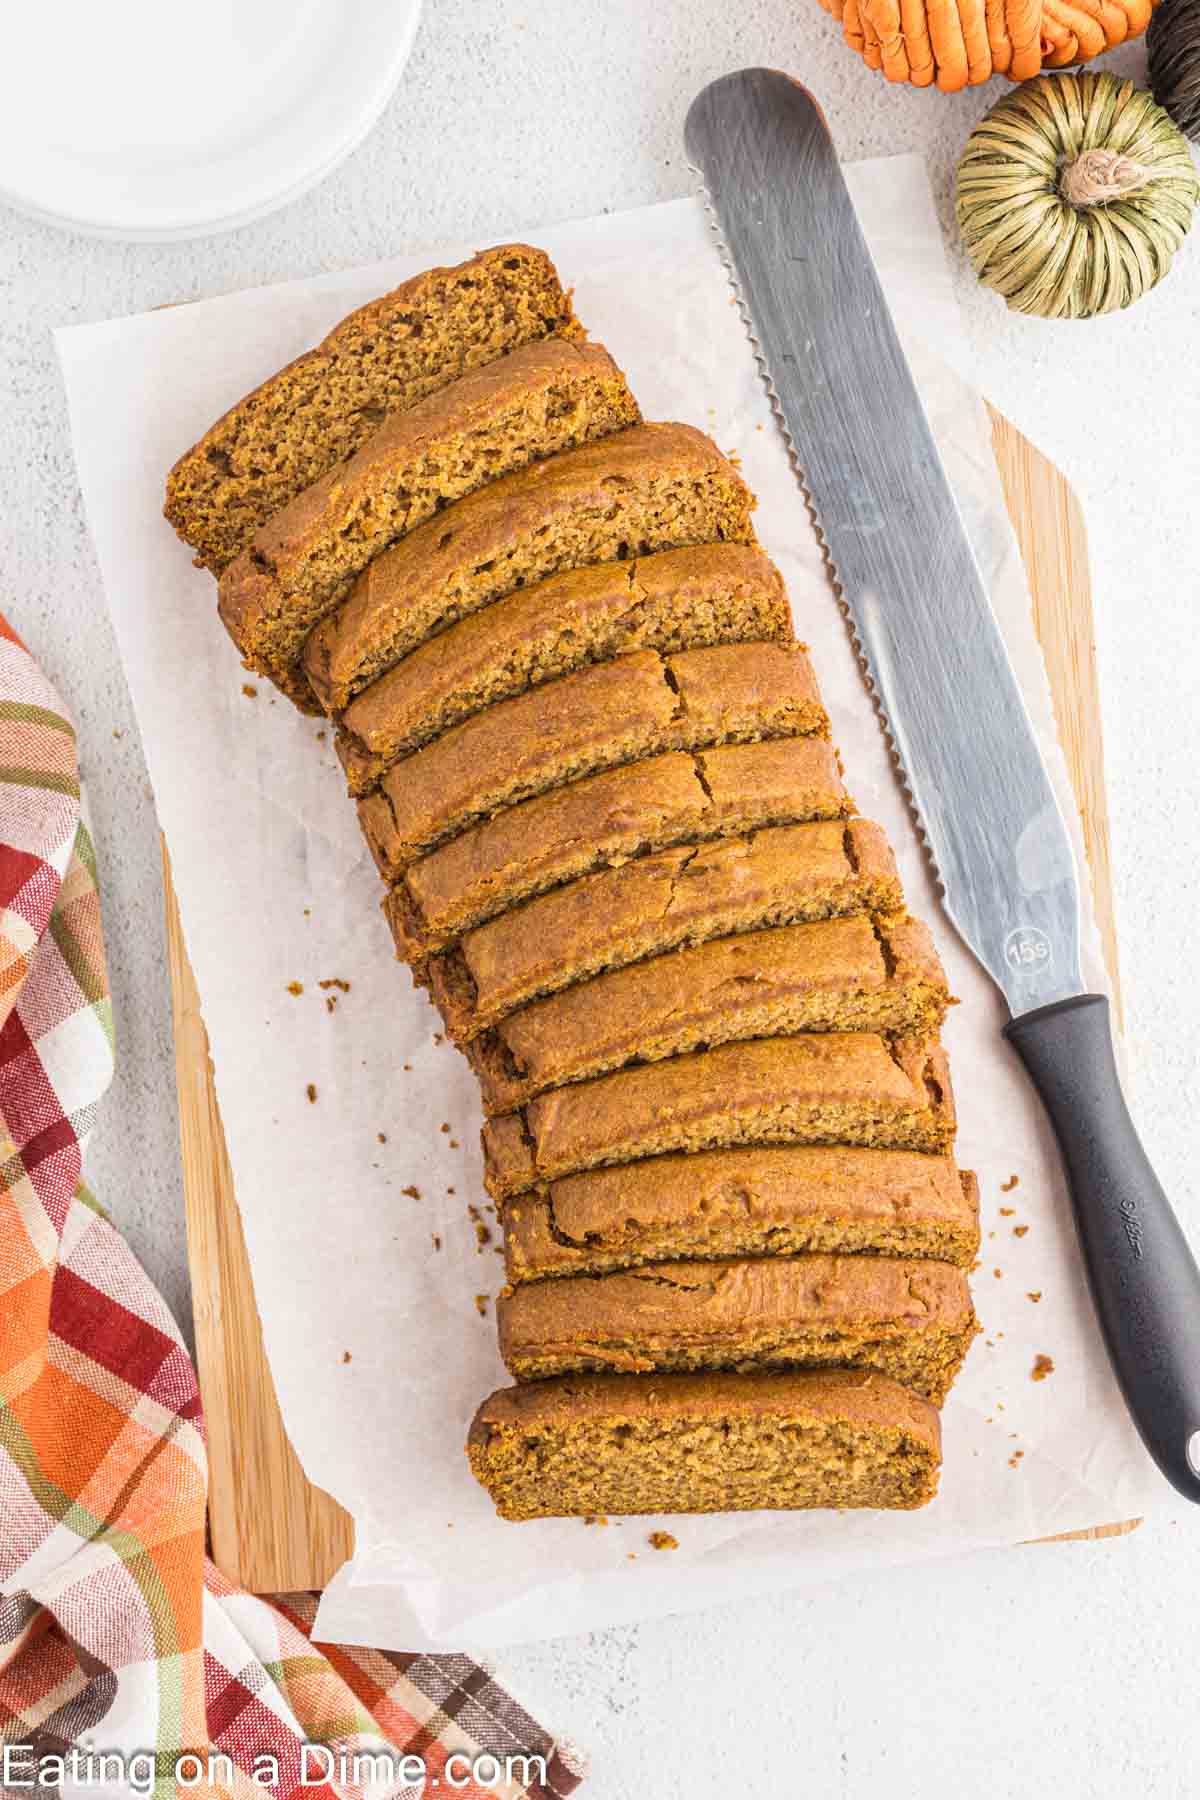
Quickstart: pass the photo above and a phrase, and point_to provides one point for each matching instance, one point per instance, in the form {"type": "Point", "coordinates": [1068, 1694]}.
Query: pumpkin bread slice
{"type": "Point", "coordinates": [781, 875]}
{"type": "Point", "coordinates": [912, 1321]}
{"type": "Point", "coordinates": [654, 487]}
{"type": "Point", "coordinates": [610, 713]}
{"type": "Point", "coordinates": [599, 823]}
{"type": "Point", "coordinates": [384, 358]}
{"type": "Point", "coordinates": [857, 974]}
{"type": "Point", "coordinates": [542, 398]}
{"type": "Point", "coordinates": [676, 600]}
{"type": "Point", "coordinates": [606, 1445]}
{"type": "Point", "coordinates": [843, 1088]}
{"type": "Point", "coordinates": [773, 1200]}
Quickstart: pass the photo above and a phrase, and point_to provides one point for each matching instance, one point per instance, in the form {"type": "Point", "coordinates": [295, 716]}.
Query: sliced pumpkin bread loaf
{"type": "Point", "coordinates": [543, 398]}
{"type": "Point", "coordinates": [857, 974]}
{"type": "Point", "coordinates": [598, 823]}
{"type": "Point", "coordinates": [675, 600]}
{"type": "Point", "coordinates": [611, 713]}
{"type": "Point", "coordinates": [844, 1088]}
{"type": "Point", "coordinates": [383, 358]}
{"type": "Point", "coordinates": [780, 875]}
{"type": "Point", "coordinates": [910, 1320]}
{"type": "Point", "coordinates": [769, 1200]}
{"type": "Point", "coordinates": [605, 1445]}
{"type": "Point", "coordinates": [654, 487]}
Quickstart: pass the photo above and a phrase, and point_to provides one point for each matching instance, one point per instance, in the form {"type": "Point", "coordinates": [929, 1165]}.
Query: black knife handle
{"type": "Point", "coordinates": [1143, 1277]}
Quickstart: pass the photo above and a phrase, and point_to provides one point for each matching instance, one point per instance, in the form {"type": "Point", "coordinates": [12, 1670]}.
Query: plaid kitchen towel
{"type": "Point", "coordinates": [128, 1664]}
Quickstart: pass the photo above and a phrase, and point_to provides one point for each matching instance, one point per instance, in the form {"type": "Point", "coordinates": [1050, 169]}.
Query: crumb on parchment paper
{"type": "Point", "coordinates": [663, 1540]}
{"type": "Point", "coordinates": [346, 1357]}
{"type": "Point", "coordinates": [335, 981]}
{"type": "Point", "coordinates": [1020, 1230]}
{"type": "Point", "coordinates": [595, 1518]}
{"type": "Point", "coordinates": [414, 1193]}
{"type": "Point", "coordinates": [1034, 1294]}
{"type": "Point", "coordinates": [249, 689]}
{"type": "Point", "coordinates": [295, 988]}
{"type": "Point", "coordinates": [311, 1091]}
{"type": "Point", "coordinates": [381, 1137]}
{"type": "Point", "coordinates": [437, 1242]}
{"type": "Point", "coordinates": [1006, 1212]}
{"type": "Point", "coordinates": [1006, 1187]}
{"type": "Point", "coordinates": [1042, 1366]}
{"type": "Point", "coordinates": [481, 1304]}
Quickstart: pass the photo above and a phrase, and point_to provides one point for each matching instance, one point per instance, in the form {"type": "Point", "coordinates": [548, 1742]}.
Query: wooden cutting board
{"type": "Point", "coordinates": [271, 1529]}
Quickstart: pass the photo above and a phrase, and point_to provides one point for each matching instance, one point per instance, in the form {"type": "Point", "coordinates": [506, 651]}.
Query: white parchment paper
{"type": "Point", "coordinates": [378, 1350]}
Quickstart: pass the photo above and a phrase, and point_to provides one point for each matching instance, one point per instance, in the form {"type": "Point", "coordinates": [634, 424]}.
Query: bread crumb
{"type": "Point", "coordinates": [295, 987]}
{"type": "Point", "coordinates": [1034, 1294]}
{"type": "Point", "coordinates": [320, 737]}
{"type": "Point", "coordinates": [663, 1540]}
{"type": "Point", "coordinates": [998, 1273]}
{"type": "Point", "coordinates": [454, 1143]}
{"type": "Point", "coordinates": [449, 1190]}
{"type": "Point", "coordinates": [1020, 1230]}
{"type": "Point", "coordinates": [1006, 1187]}
{"type": "Point", "coordinates": [1006, 1212]}
{"type": "Point", "coordinates": [118, 734]}
{"type": "Point", "coordinates": [438, 1037]}
{"type": "Point", "coordinates": [249, 689]}
{"type": "Point", "coordinates": [308, 912]}
{"type": "Point", "coordinates": [1015, 1458]}
{"type": "Point", "coordinates": [1042, 1366]}
{"type": "Point", "coordinates": [331, 1003]}
{"type": "Point", "coordinates": [414, 1193]}
{"type": "Point", "coordinates": [381, 1137]}
{"type": "Point", "coordinates": [311, 1091]}
{"type": "Point", "coordinates": [443, 1127]}
{"type": "Point", "coordinates": [481, 1304]}
{"type": "Point", "coordinates": [595, 1519]}
{"type": "Point", "coordinates": [407, 1067]}
{"type": "Point", "coordinates": [437, 1242]}
{"type": "Point", "coordinates": [631, 1556]}
{"type": "Point", "coordinates": [346, 1356]}
{"type": "Point", "coordinates": [335, 981]}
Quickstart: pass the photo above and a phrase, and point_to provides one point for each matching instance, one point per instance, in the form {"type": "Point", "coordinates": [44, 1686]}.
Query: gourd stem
{"type": "Point", "coordinates": [1100, 175]}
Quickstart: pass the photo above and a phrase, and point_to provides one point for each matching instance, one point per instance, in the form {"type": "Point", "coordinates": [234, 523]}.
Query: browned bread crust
{"type": "Point", "coordinates": [857, 974]}
{"type": "Point", "coordinates": [675, 600]}
{"type": "Point", "coordinates": [848, 1088]}
{"type": "Point", "coordinates": [778, 1199]}
{"type": "Point", "coordinates": [654, 487]}
{"type": "Point", "coordinates": [781, 875]}
{"type": "Point", "coordinates": [608, 714]}
{"type": "Point", "coordinates": [614, 1444]}
{"type": "Point", "coordinates": [910, 1320]}
{"type": "Point", "coordinates": [384, 357]}
{"type": "Point", "coordinates": [600, 821]}
{"type": "Point", "coordinates": [540, 399]}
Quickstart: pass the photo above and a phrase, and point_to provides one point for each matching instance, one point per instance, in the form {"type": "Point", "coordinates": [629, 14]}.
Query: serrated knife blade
{"type": "Point", "coordinates": [933, 652]}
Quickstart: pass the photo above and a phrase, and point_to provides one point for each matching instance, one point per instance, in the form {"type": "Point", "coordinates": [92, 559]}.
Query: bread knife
{"type": "Point", "coordinates": [933, 655]}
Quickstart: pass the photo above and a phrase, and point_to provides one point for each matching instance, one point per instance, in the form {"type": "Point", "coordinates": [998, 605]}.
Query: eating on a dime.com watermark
{"type": "Point", "coordinates": [28, 1768]}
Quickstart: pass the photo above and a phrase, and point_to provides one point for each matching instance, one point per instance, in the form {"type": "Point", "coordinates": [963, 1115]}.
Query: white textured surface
{"type": "Point", "coordinates": [1068, 1670]}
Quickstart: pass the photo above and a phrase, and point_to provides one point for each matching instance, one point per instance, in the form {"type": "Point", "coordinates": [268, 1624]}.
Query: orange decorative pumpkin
{"type": "Point", "coordinates": [960, 43]}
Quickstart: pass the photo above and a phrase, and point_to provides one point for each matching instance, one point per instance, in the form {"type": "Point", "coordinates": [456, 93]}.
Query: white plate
{"type": "Point", "coordinates": [152, 120]}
